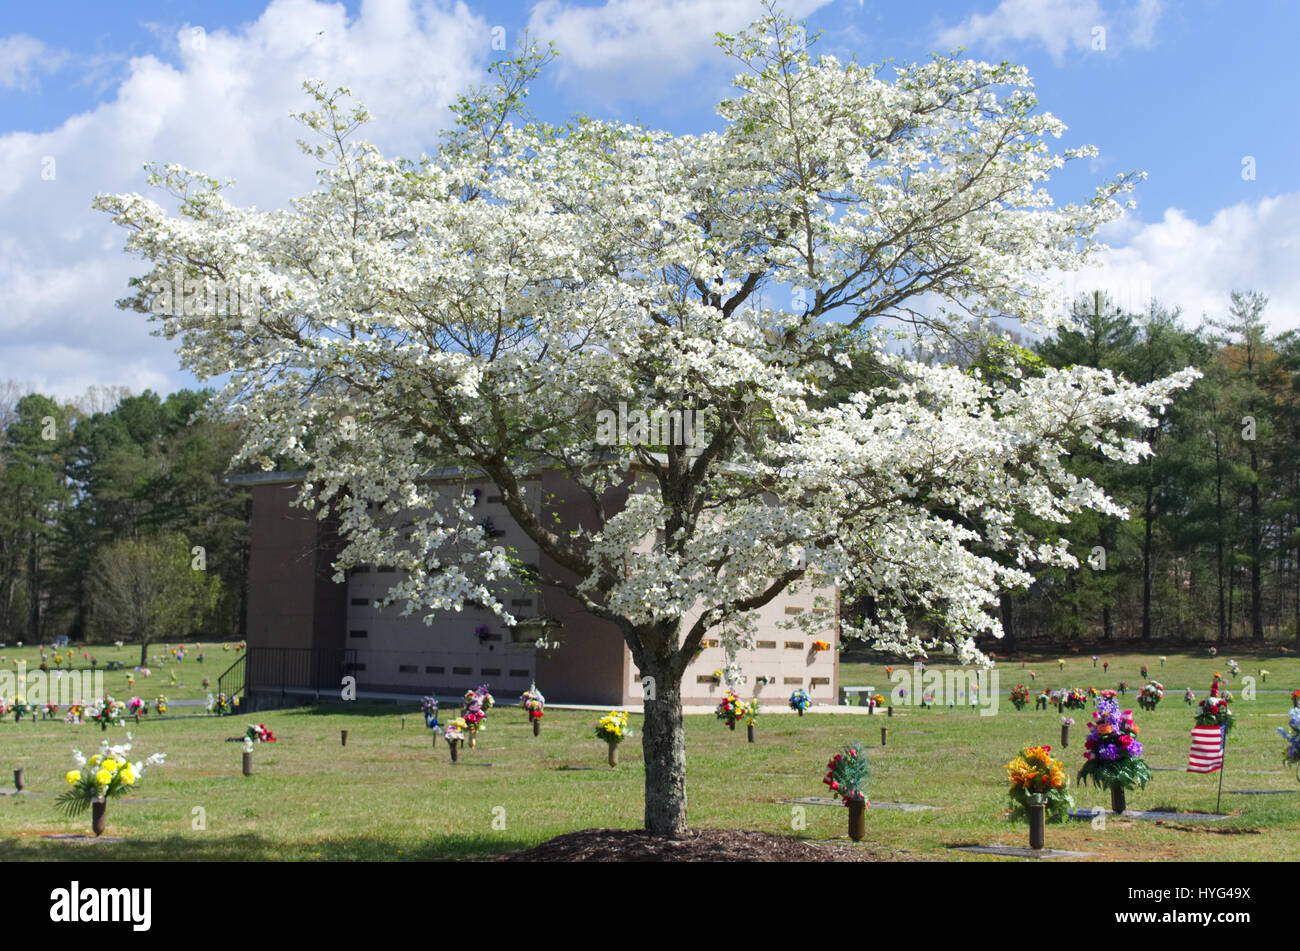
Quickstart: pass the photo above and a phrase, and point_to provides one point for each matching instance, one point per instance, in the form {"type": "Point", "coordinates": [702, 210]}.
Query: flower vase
{"type": "Point", "coordinates": [137, 717]}
{"type": "Point", "coordinates": [1117, 800]}
{"type": "Point", "coordinates": [857, 819]}
{"type": "Point", "coordinates": [18, 779]}
{"type": "Point", "coordinates": [473, 739]}
{"type": "Point", "coordinates": [1065, 735]}
{"type": "Point", "coordinates": [248, 764]}
{"type": "Point", "coordinates": [801, 711]}
{"type": "Point", "coordinates": [613, 754]}
{"type": "Point", "coordinates": [452, 745]}
{"type": "Point", "coordinates": [537, 726]}
{"type": "Point", "coordinates": [731, 725]}
{"type": "Point", "coordinates": [98, 816]}
{"type": "Point", "coordinates": [1037, 822]}
{"type": "Point", "coordinates": [749, 728]}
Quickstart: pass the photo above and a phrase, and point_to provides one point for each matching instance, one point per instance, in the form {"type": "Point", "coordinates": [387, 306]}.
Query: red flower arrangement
{"type": "Point", "coordinates": [259, 734]}
{"type": "Point", "coordinates": [847, 774]}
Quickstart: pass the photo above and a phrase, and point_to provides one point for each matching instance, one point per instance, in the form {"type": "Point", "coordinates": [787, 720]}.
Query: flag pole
{"type": "Point", "coordinates": [1223, 761]}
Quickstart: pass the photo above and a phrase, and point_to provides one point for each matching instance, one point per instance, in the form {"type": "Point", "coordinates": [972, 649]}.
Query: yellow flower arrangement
{"type": "Point", "coordinates": [1035, 771]}
{"type": "Point", "coordinates": [106, 774]}
{"type": "Point", "coordinates": [1036, 777]}
{"type": "Point", "coordinates": [612, 727]}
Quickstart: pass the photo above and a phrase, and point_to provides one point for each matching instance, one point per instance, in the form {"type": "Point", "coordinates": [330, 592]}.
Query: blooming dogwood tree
{"type": "Point", "coordinates": [477, 308]}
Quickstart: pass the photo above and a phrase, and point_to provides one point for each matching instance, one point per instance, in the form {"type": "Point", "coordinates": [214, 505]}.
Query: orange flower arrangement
{"type": "Point", "coordinates": [1036, 777]}
{"type": "Point", "coordinates": [1035, 771]}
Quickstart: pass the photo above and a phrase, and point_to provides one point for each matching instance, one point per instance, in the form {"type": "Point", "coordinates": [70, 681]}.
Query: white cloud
{"type": "Point", "coordinates": [1058, 26]}
{"type": "Point", "coordinates": [1248, 246]}
{"type": "Point", "coordinates": [223, 108]}
{"type": "Point", "coordinates": [22, 58]}
{"type": "Point", "coordinates": [643, 48]}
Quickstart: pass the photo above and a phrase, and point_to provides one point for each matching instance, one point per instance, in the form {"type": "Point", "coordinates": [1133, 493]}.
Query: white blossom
{"type": "Point", "coordinates": [471, 312]}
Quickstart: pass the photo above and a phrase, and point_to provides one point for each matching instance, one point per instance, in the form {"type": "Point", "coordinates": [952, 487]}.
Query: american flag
{"type": "Point", "coordinates": [1207, 749]}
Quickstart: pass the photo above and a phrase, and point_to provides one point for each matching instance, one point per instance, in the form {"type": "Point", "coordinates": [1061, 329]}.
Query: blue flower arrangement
{"type": "Point", "coordinates": [1292, 737]}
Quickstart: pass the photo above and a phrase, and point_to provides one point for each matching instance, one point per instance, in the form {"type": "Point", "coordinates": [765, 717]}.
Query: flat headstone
{"type": "Point", "coordinates": [574, 769]}
{"type": "Point", "coordinates": [1148, 814]}
{"type": "Point", "coordinates": [902, 806]}
{"type": "Point", "coordinates": [1022, 851]}
{"type": "Point", "coordinates": [918, 732]}
{"type": "Point", "coordinates": [830, 801]}
{"type": "Point", "coordinates": [78, 837]}
{"type": "Point", "coordinates": [1262, 792]}
{"type": "Point", "coordinates": [462, 763]}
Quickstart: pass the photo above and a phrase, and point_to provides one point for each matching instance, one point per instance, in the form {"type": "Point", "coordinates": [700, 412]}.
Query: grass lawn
{"type": "Point", "coordinates": [390, 795]}
{"type": "Point", "coordinates": [187, 673]}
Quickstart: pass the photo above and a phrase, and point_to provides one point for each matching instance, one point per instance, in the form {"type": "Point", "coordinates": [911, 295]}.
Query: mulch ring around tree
{"type": "Point", "coordinates": [696, 845]}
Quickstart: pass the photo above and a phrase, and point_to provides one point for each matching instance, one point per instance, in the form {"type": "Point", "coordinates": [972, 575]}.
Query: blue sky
{"type": "Point", "coordinates": [89, 91]}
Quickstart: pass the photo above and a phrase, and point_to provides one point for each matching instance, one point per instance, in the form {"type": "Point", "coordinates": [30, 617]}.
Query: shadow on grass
{"type": "Point", "coordinates": [355, 708]}
{"type": "Point", "coordinates": [255, 848]}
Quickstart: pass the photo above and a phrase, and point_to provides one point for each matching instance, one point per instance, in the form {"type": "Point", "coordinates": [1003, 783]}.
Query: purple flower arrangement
{"type": "Point", "coordinates": [1112, 752]}
{"type": "Point", "coordinates": [429, 707]}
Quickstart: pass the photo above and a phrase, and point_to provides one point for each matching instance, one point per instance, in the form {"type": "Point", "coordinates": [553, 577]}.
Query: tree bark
{"type": "Point", "coordinates": [1256, 554]}
{"type": "Point", "coordinates": [1218, 545]}
{"type": "Point", "coordinates": [34, 592]}
{"type": "Point", "coordinates": [663, 744]}
{"type": "Point", "coordinates": [1148, 516]}
{"type": "Point", "coordinates": [1232, 597]}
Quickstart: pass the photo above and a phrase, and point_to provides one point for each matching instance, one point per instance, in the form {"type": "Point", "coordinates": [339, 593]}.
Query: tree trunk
{"type": "Point", "coordinates": [1218, 510]}
{"type": "Point", "coordinates": [1256, 544]}
{"type": "Point", "coordinates": [1008, 624]}
{"type": "Point", "coordinates": [1232, 597]}
{"type": "Point", "coordinates": [1148, 517]}
{"type": "Point", "coordinates": [34, 593]}
{"type": "Point", "coordinates": [144, 652]}
{"type": "Point", "coordinates": [663, 744]}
